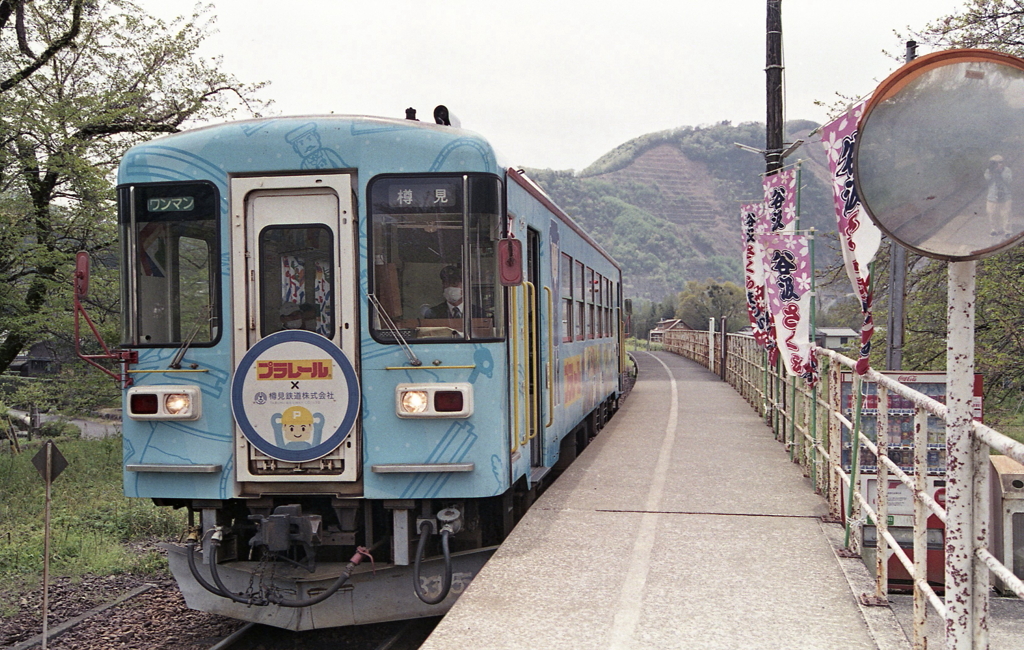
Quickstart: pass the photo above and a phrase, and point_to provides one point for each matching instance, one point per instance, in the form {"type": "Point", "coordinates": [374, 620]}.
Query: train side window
{"type": "Point", "coordinates": [483, 228]}
{"type": "Point", "coordinates": [580, 289]}
{"type": "Point", "coordinates": [590, 302]}
{"type": "Point", "coordinates": [609, 331]}
{"type": "Point", "coordinates": [598, 305]}
{"type": "Point", "coordinates": [565, 280]}
{"type": "Point", "coordinates": [434, 265]}
{"type": "Point", "coordinates": [171, 274]}
{"type": "Point", "coordinates": [607, 320]}
{"type": "Point", "coordinates": [604, 306]}
{"type": "Point", "coordinates": [296, 279]}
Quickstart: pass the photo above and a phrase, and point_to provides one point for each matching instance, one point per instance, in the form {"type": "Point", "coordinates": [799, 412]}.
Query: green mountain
{"type": "Point", "coordinates": [666, 205]}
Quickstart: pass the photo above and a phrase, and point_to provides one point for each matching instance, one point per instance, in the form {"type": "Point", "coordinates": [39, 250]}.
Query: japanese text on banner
{"type": "Point", "coordinates": [780, 200]}
{"type": "Point", "coordinates": [753, 271]}
{"type": "Point", "coordinates": [859, 238]}
{"type": "Point", "coordinates": [787, 263]}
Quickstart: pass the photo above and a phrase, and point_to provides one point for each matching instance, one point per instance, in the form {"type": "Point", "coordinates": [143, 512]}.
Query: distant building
{"type": "Point", "coordinates": [657, 335]}
{"type": "Point", "coordinates": [40, 359]}
{"type": "Point", "coordinates": [836, 337]}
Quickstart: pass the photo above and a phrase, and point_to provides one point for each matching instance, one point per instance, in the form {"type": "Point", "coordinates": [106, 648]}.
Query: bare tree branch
{"type": "Point", "coordinates": [6, 7]}
{"type": "Point", "coordinates": [19, 28]}
{"type": "Point", "coordinates": [56, 46]}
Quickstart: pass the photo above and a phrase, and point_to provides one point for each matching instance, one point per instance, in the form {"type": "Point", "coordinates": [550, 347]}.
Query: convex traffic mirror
{"type": "Point", "coordinates": [939, 161]}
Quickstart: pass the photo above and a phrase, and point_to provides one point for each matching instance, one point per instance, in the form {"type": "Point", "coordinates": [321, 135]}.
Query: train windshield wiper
{"type": "Point", "coordinates": [180, 354]}
{"type": "Point", "coordinates": [413, 359]}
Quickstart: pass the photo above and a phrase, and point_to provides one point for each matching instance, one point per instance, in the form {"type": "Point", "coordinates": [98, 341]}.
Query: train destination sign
{"type": "Point", "coordinates": [171, 204]}
{"type": "Point", "coordinates": [431, 195]}
{"type": "Point", "coordinates": [295, 396]}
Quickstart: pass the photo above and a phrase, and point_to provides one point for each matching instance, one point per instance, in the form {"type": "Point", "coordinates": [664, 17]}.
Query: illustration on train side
{"type": "Point", "coordinates": [351, 338]}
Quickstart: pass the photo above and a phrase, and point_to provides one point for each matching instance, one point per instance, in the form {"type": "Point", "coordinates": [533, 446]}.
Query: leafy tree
{"type": "Point", "coordinates": [1000, 302]}
{"type": "Point", "coordinates": [924, 345]}
{"type": "Point", "coordinates": [647, 314]}
{"type": "Point", "coordinates": [843, 312]}
{"type": "Point", "coordinates": [999, 341]}
{"type": "Point", "coordinates": [993, 24]}
{"type": "Point", "coordinates": [701, 301]}
{"type": "Point", "coordinates": [62, 132]}
{"type": "Point", "coordinates": [643, 319]}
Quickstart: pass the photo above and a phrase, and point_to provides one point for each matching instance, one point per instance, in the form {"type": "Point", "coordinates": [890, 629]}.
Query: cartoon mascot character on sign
{"type": "Point", "coordinates": [297, 428]}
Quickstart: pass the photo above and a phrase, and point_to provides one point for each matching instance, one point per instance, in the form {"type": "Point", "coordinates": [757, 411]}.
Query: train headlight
{"type": "Point", "coordinates": [164, 403]}
{"type": "Point", "coordinates": [177, 403]}
{"type": "Point", "coordinates": [434, 400]}
{"type": "Point", "coordinates": [413, 402]}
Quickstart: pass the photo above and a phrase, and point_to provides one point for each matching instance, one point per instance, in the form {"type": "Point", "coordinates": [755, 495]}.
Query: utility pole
{"type": "Point", "coordinates": [897, 284]}
{"type": "Point", "coordinates": [773, 72]}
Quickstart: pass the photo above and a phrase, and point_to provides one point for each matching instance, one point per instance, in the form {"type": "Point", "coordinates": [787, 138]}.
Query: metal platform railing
{"type": "Point", "coordinates": [810, 423]}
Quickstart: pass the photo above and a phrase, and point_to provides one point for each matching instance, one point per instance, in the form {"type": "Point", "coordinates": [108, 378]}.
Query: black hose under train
{"type": "Point", "coordinates": [221, 589]}
{"type": "Point", "coordinates": [446, 582]}
{"type": "Point", "coordinates": [190, 553]}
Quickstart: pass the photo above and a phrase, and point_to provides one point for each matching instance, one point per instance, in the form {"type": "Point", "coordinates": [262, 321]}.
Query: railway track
{"type": "Point", "coordinates": [153, 616]}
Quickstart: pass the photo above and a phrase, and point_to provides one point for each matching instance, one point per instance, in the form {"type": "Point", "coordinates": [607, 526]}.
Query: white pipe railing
{"type": "Point", "coordinates": [790, 407]}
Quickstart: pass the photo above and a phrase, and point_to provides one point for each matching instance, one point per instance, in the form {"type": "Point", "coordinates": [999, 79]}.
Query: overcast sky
{"type": "Point", "coordinates": [553, 83]}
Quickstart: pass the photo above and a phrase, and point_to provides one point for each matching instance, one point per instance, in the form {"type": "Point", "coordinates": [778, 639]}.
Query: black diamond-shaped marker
{"type": "Point", "coordinates": [57, 461]}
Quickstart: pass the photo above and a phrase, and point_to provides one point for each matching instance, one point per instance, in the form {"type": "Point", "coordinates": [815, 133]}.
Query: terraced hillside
{"type": "Point", "coordinates": [687, 185]}
{"type": "Point", "coordinates": [667, 204]}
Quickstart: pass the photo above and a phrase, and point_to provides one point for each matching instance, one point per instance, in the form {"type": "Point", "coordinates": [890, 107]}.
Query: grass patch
{"type": "Point", "coordinates": [91, 521]}
{"type": "Point", "coordinates": [642, 344]}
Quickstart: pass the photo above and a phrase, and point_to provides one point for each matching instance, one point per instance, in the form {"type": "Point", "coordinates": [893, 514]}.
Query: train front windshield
{"type": "Point", "coordinates": [171, 263]}
{"type": "Point", "coordinates": [434, 241]}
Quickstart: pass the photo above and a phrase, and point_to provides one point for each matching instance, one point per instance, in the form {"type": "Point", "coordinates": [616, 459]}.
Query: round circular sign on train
{"type": "Point", "coordinates": [295, 396]}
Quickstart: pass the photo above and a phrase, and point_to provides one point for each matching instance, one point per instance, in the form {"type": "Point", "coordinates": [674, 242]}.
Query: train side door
{"type": "Point", "coordinates": [294, 236]}
{"type": "Point", "coordinates": [535, 363]}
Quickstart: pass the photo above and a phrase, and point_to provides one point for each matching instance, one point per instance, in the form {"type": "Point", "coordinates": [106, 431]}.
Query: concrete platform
{"type": "Point", "coordinates": [683, 525]}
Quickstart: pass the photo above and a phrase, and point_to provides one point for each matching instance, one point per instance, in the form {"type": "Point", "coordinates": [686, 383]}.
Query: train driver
{"type": "Point", "coordinates": [453, 305]}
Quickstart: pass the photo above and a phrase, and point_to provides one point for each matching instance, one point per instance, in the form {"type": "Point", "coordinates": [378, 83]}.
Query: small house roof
{"type": "Point", "coordinates": [837, 331]}
{"type": "Point", "coordinates": [670, 324]}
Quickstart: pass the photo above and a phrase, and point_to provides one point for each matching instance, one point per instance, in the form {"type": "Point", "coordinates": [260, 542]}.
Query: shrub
{"type": "Point", "coordinates": [94, 528]}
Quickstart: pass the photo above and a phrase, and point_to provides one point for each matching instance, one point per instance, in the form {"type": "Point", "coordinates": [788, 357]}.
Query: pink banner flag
{"type": "Point", "coordinates": [859, 238]}
{"type": "Point", "coordinates": [780, 200]}
{"type": "Point", "coordinates": [753, 271]}
{"type": "Point", "coordinates": [787, 263]}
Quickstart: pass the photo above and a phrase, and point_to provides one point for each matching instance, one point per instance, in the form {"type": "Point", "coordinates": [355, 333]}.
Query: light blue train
{"type": "Point", "coordinates": [349, 337]}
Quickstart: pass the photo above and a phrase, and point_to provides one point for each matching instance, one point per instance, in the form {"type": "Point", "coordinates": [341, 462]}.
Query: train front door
{"type": "Point", "coordinates": [295, 238]}
{"type": "Point", "coordinates": [298, 252]}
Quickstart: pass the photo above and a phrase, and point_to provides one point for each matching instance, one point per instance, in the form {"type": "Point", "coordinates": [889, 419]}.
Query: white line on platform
{"type": "Point", "coordinates": [627, 614]}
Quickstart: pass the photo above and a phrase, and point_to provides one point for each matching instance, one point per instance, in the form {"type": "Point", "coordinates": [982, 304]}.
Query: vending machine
{"type": "Point", "coordinates": [899, 437]}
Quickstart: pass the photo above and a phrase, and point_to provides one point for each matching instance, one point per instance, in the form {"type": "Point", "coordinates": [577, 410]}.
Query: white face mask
{"type": "Point", "coordinates": [293, 324]}
{"type": "Point", "coordinates": [453, 294]}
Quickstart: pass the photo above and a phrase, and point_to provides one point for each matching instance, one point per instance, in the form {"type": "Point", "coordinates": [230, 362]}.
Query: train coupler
{"type": "Point", "coordinates": [288, 528]}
